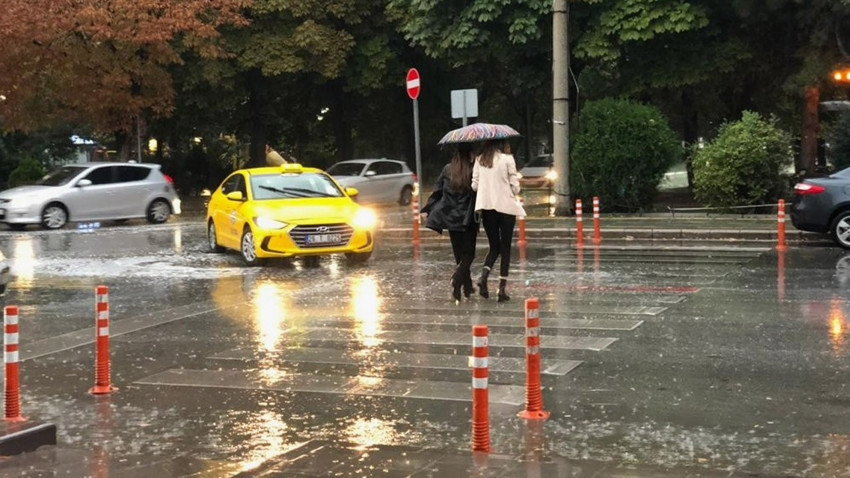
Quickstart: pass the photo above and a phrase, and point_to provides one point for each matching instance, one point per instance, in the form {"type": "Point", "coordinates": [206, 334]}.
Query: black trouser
{"type": "Point", "coordinates": [500, 231]}
{"type": "Point", "coordinates": [463, 247]}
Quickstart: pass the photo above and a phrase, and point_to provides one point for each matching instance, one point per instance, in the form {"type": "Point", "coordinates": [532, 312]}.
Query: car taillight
{"type": "Point", "coordinates": [168, 178]}
{"type": "Point", "coordinates": [415, 177]}
{"type": "Point", "coordinates": [806, 188]}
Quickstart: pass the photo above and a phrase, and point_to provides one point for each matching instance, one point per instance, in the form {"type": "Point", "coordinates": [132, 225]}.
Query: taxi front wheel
{"type": "Point", "coordinates": [249, 251]}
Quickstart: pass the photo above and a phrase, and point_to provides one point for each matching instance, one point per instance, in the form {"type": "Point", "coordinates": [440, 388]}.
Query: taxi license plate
{"type": "Point", "coordinates": [323, 238]}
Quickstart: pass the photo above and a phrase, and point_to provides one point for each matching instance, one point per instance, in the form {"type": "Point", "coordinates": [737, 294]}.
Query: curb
{"type": "Point", "coordinates": [17, 438]}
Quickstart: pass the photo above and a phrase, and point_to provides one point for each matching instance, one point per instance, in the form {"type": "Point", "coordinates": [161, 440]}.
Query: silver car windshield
{"type": "Point", "coordinates": [293, 185]}
{"type": "Point", "coordinates": [60, 176]}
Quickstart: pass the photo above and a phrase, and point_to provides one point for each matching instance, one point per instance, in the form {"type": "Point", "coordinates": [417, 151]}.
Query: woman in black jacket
{"type": "Point", "coordinates": [451, 206]}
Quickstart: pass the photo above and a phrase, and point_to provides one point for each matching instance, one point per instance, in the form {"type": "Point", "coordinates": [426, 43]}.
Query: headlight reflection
{"type": "Point", "coordinates": [365, 308]}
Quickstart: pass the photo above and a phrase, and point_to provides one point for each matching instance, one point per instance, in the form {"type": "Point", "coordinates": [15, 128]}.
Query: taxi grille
{"type": "Point", "coordinates": [307, 237]}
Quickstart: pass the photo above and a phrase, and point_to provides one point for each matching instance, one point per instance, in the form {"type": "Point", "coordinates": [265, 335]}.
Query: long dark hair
{"type": "Point", "coordinates": [460, 169]}
{"type": "Point", "coordinates": [489, 150]}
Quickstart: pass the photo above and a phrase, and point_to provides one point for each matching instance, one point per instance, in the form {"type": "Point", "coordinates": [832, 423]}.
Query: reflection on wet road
{"type": "Point", "coordinates": [656, 360]}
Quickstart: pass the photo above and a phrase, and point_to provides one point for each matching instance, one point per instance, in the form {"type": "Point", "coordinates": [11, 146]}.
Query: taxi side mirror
{"type": "Point", "coordinates": [235, 196]}
{"type": "Point", "coordinates": [351, 192]}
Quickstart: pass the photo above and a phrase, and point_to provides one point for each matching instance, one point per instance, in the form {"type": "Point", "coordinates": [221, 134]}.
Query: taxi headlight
{"type": "Point", "coordinates": [269, 223]}
{"type": "Point", "coordinates": [551, 175]}
{"type": "Point", "coordinates": [364, 219]}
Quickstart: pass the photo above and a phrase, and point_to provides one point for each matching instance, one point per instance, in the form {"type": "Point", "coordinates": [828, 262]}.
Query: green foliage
{"type": "Point", "coordinates": [839, 142]}
{"type": "Point", "coordinates": [28, 171]}
{"type": "Point", "coordinates": [744, 164]}
{"type": "Point", "coordinates": [621, 153]}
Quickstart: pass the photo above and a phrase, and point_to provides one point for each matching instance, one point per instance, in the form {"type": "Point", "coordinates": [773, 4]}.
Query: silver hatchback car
{"type": "Point", "coordinates": [91, 192]}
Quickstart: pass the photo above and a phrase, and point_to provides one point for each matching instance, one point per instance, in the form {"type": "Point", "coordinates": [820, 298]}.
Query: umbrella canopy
{"type": "Point", "coordinates": [479, 132]}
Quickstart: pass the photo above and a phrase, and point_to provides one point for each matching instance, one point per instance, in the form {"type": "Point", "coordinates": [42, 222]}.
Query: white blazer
{"type": "Point", "coordinates": [498, 186]}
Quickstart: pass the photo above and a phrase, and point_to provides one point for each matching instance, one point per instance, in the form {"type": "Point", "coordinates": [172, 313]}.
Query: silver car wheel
{"type": "Point", "coordinates": [159, 211]}
{"type": "Point", "coordinates": [54, 217]}
{"type": "Point", "coordinates": [842, 231]}
{"type": "Point", "coordinates": [248, 251]}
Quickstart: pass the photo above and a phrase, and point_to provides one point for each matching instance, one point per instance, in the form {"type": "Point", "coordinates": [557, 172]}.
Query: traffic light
{"type": "Point", "coordinates": [841, 75]}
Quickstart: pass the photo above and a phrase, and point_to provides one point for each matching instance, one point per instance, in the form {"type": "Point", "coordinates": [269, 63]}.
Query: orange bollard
{"type": "Point", "coordinates": [480, 395]}
{"type": "Point", "coordinates": [533, 395]}
{"type": "Point", "coordinates": [597, 236]}
{"type": "Point", "coordinates": [415, 205]}
{"type": "Point", "coordinates": [101, 365]}
{"type": "Point", "coordinates": [579, 225]}
{"type": "Point", "coordinates": [10, 357]}
{"type": "Point", "coordinates": [781, 226]}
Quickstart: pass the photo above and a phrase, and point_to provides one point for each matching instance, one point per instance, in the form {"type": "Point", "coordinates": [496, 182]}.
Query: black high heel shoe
{"type": "Point", "coordinates": [482, 283]}
{"type": "Point", "coordinates": [503, 296]}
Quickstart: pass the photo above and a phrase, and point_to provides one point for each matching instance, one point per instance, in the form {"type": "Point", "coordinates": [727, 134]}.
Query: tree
{"type": "Point", "coordinates": [621, 154]}
{"type": "Point", "coordinates": [103, 62]}
{"type": "Point", "coordinates": [744, 164]}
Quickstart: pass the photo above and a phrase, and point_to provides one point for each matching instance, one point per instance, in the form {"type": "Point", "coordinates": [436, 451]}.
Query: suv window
{"type": "Point", "coordinates": [385, 167]}
{"type": "Point", "coordinates": [127, 174]}
{"type": "Point", "coordinates": [101, 175]}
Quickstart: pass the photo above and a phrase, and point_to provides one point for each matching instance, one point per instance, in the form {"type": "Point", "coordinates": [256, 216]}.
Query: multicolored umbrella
{"type": "Point", "coordinates": [478, 132]}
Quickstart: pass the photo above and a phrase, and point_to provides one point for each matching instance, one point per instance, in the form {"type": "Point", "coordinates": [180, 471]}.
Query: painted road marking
{"type": "Point", "coordinates": [375, 358]}
{"type": "Point", "coordinates": [547, 322]}
{"type": "Point", "coordinates": [512, 395]}
{"type": "Point", "coordinates": [439, 338]}
{"type": "Point", "coordinates": [517, 312]}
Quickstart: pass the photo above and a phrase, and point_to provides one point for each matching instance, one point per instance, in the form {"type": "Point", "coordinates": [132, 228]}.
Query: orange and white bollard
{"type": "Point", "coordinates": [12, 393]}
{"type": "Point", "coordinates": [533, 395]}
{"type": "Point", "coordinates": [597, 235]}
{"type": "Point", "coordinates": [521, 225]}
{"type": "Point", "coordinates": [480, 394]}
{"type": "Point", "coordinates": [780, 218]}
{"type": "Point", "coordinates": [416, 220]}
{"type": "Point", "coordinates": [101, 366]}
{"type": "Point", "coordinates": [579, 225]}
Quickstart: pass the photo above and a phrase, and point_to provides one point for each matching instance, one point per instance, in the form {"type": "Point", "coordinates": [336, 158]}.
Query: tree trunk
{"type": "Point", "coordinates": [122, 146]}
{"type": "Point", "coordinates": [690, 132]}
{"type": "Point", "coordinates": [341, 122]}
{"type": "Point", "coordinates": [258, 101]}
{"type": "Point", "coordinates": [811, 127]}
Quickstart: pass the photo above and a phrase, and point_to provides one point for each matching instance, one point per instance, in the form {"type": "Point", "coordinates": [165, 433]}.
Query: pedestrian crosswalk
{"type": "Point", "coordinates": [418, 347]}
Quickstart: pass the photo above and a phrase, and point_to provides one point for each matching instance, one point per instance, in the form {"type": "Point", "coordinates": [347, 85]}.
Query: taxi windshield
{"type": "Point", "coordinates": [293, 185]}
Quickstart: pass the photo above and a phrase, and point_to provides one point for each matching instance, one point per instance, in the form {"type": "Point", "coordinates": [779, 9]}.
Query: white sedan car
{"type": "Point", "coordinates": [5, 274]}
{"type": "Point", "coordinates": [376, 180]}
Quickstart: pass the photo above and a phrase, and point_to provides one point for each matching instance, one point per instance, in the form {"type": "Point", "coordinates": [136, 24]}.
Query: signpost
{"type": "Point", "coordinates": [412, 83]}
{"type": "Point", "coordinates": [413, 93]}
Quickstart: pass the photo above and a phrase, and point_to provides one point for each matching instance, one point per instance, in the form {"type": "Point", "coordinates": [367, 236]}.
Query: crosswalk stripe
{"type": "Point", "coordinates": [441, 338]}
{"type": "Point", "coordinates": [392, 359]}
{"type": "Point", "coordinates": [520, 313]}
{"type": "Point", "coordinates": [334, 384]}
{"type": "Point", "coordinates": [546, 322]}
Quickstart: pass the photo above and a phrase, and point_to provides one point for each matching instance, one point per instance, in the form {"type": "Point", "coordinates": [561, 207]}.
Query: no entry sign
{"type": "Point", "coordinates": [413, 83]}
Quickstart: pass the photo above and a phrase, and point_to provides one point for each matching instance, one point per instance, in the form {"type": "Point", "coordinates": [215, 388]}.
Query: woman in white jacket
{"type": "Point", "coordinates": [495, 180]}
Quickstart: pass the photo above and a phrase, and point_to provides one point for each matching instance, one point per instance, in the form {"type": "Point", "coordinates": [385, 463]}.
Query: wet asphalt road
{"type": "Point", "coordinates": [684, 361]}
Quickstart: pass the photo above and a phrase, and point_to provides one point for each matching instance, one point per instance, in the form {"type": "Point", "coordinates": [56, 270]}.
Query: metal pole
{"type": "Point", "coordinates": [416, 141]}
{"type": "Point", "coordinates": [464, 109]}
{"type": "Point", "coordinates": [561, 106]}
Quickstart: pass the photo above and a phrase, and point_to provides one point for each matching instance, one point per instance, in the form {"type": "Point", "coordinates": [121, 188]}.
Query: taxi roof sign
{"type": "Point", "coordinates": [291, 168]}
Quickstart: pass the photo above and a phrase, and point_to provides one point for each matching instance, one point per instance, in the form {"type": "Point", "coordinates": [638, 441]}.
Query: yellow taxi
{"type": "Point", "coordinates": [287, 211]}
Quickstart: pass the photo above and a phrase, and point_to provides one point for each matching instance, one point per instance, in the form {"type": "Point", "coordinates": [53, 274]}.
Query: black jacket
{"type": "Point", "coordinates": [449, 209]}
